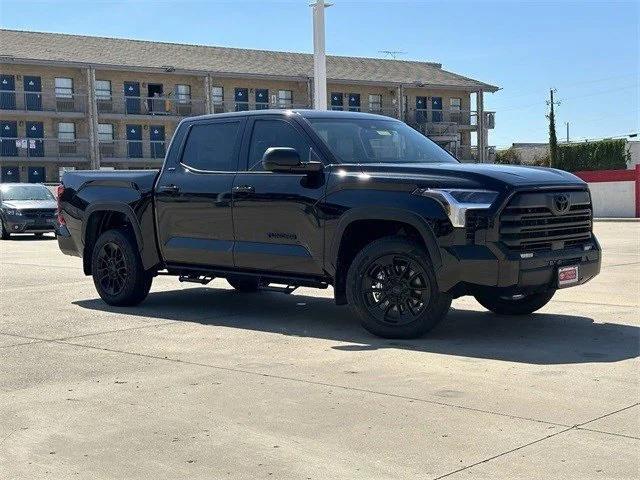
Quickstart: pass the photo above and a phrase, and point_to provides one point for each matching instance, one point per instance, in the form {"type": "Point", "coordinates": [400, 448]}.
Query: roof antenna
{"type": "Point", "coordinates": [392, 53]}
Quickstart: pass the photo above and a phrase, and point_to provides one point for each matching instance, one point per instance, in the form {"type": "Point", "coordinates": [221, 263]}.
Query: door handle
{"type": "Point", "coordinates": [244, 189]}
{"type": "Point", "coordinates": [168, 189]}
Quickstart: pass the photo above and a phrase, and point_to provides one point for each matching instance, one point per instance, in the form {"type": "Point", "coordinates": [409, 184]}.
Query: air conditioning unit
{"type": "Point", "coordinates": [105, 106]}
{"type": "Point", "coordinates": [183, 109]}
{"type": "Point", "coordinates": [67, 148]}
{"type": "Point", "coordinates": [65, 105]}
{"type": "Point", "coordinates": [107, 149]}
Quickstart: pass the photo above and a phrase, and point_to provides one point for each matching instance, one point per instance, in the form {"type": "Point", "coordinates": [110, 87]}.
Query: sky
{"type": "Point", "coordinates": [589, 51]}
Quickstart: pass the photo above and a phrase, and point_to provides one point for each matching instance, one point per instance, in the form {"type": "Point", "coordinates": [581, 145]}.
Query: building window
{"type": "Point", "coordinates": [103, 89]}
{"type": "Point", "coordinates": [105, 132]}
{"type": "Point", "coordinates": [285, 98]}
{"type": "Point", "coordinates": [64, 87]}
{"type": "Point", "coordinates": [455, 104]}
{"type": "Point", "coordinates": [183, 93]}
{"type": "Point", "coordinates": [66, 132]}
{"type": "Point", "coordinates": [375, 103]}
{"type": "Point", "coordinates": [217, 95]}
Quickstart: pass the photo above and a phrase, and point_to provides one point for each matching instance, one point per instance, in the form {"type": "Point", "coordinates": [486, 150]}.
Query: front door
{"type": "Point", "coordinates": [436, 109]}
{"type": "Point", "coordinates": [354, 102]}
{"type": "Point", "coordinates": [134, 141]}
{"type": "Point", "coordinates": [132, 97]}
{"type": "Point", "coordinates": [421, 109]}
{"type": "Point", "coordinates": [35, 134]}
{"type": "Point", "coordinates": [8, 138]}
{"type": "Point", "coordinates": [336, 101]}
{"type": "Point", "coordinates": [262, 98]}
{"type": "Point", "coordinates": [7, 92]}
{"type": "Point", "coordinates": [241, 98]}
{"type": "Point", "coordinates": [10, 174]}
{"type": "Point", "coordinates": [193, 196]}
{"type": "Point", "coordinates": [32, 92]}
{"type": "Point", "coordinates": [276, 221]}
{"type": "Point", "coordinates": [36, 174]}
{"type": "Point", "coordinates": [156, 136]}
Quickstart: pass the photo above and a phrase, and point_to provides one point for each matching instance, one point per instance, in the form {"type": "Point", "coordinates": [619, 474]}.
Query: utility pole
{"type": "Point", "coordinates": [567, 124]}
{"type": "Point", "coordinates": [553, 140]}
{"type": "Point", "coordinates": [319, 57]}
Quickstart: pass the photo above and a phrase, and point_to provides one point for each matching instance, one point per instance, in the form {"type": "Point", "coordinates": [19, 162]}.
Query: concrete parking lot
{"type": "Point", "coordinates": [206, 383]}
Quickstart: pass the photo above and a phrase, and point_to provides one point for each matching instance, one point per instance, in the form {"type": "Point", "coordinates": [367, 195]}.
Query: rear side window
{"type": "Point", "coordinates": [275, 133]}
{"type": "Point", "coordinates": [212, 146]}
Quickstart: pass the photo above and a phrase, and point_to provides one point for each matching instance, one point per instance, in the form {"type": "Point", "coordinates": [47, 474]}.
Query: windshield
{"type": "Point", "coordinates": [377, 141]}
{"type": "Point", "coordinates": [25, 192]}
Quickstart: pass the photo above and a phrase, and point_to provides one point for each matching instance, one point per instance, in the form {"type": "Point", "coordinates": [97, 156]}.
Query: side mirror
{"type": "Point", "coordinates": [287, 160]}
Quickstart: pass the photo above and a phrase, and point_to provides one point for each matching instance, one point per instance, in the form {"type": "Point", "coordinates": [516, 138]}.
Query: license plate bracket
{"type": "Point", "coordinates": [568, 276]}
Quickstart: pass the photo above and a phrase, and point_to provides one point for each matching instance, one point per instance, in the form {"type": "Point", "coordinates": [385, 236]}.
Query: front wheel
{"type": "Point", "coordinates": [514, 305]}
{"type": "Point", "coordinates": [117, 269]}
{"type": "Point", "coordinates": [391, 287]}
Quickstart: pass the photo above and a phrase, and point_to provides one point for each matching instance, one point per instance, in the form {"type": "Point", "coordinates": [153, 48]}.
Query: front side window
{"type": "Point", "coordinates": [212, 146]}
{"type": "Point", "coordinates": [285, 98]}
{"type": "Point", "coordinates": [66, 132]}
{"type": "Point", "coordinates": [103, 89]}
{"type": "Point", "coordinates": [377, 141]}
{"type": "Point", "coordinates": [375, 103]}
{"type": "Point", "coordinates": [217, 95]}
{"type": "Point", "coordinates": [275, 133]}
{"type": "Point", "coordinates": [64, 87]}
{"type": "Point", "coordinates": [183, 93]}
{"type": "Point", "coordinates": [105, 132]}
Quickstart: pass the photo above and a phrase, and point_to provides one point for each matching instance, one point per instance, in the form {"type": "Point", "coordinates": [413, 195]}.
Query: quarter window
{"type": "Point", "coordinates": [66, 132]}
{"type": "Point", "coordinates": [275, 133]}
{"type": "Point", "coordinates": [183, 93]}
{"type": "Point", "coordinates": [64, 87]}
{"type": "Point", "coordinates": [103, 89]}
{"type": "Point", "coordinates": [285, 98]}
{"type": "Point", "coordinates": [105, 132]}
{"type": "Point", "coordinates": [375, 103]}
{"type": "Point", "coordinates": [212, 146]}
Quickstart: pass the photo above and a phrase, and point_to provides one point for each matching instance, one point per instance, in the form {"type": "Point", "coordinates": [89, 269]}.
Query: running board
{"type": "Point", "coordinates": [202, 279]}
{"type": "Point", "coordinates": [286, 289]}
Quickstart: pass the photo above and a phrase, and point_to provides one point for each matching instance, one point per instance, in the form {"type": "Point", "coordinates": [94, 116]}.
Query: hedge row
{"type": "Point", "coordinates": [602, 155]}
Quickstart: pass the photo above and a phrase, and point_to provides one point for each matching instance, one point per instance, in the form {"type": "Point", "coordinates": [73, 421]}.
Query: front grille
{"type": "Point", "coordinates": [532, 221]}
{"type": "Point", "coordinates": [39, 213]}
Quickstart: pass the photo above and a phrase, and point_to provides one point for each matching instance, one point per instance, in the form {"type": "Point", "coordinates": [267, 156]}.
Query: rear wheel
{"type": "Point", "coordinates": [514, 305]}
{"type": "Point", "coordinates": [392, 288]}
{"type": "Point", "coordinates": [246, 285]}
{"type": "Point", "coordinates": [117, 269]}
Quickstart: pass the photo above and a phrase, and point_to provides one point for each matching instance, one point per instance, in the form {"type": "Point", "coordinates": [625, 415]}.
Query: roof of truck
{"type": "Point", "coordinates": [306, 113]}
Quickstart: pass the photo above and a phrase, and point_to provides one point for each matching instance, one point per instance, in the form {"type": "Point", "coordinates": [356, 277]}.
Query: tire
{"type": "Point", "coordinates": [118, 274]}
{"type": "Point", "coordinates": [515, 306]}
{"type": "Point", "coordinates": [392, 289]}
{"type": "Point", "coordinates": [4, 234]}
{"type": "Point", "coordinates": [245, 285]}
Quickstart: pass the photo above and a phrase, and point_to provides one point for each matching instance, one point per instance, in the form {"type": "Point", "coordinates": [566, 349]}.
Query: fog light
{"type": "Point", "coordinates": [587, 247]}
{"type": "Point", "coordinates": [526, 255]}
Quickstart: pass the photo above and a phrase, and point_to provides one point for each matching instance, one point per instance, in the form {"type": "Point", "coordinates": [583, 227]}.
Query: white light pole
{"type": "Point", "coordinates": [319, 58]}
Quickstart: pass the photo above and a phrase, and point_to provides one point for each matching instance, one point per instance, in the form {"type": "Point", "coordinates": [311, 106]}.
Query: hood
{"type": "Point", "coordinates": [29, 204]}
{"type": "Point", "coordinates": [477, 174]}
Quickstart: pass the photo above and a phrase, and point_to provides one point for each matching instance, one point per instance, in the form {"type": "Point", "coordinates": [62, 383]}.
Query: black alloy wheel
{"type": "Point", "coordinates": [112, 268]}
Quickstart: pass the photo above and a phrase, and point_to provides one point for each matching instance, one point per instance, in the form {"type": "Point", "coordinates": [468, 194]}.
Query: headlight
{"type": "Point", "coordinates": [457, 201]}
{"type": "Point", "coordinates": [13, 211]}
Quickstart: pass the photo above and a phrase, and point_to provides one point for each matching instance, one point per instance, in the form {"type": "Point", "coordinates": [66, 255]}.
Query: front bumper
{"type": "Point", "coordinates": [476, 267]}
{"type": "Point", "coordinates": [21, 224]}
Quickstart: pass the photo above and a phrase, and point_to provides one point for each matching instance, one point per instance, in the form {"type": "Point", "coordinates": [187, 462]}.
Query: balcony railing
{"type": "Point", "coordinates": [43, 147]}
{"type": "Point", "coordinates": [166, 105]}
{"type": "Point", "coordinates": [421, 116]}
{"type": "Point", "coordinates": [223, 107]}
{"type": "Point", "coordinates": [469, 154]}
{"type": "Point", "coordinates": [43, 102]}
{"type": "Point", "coordinates": [132, 149]}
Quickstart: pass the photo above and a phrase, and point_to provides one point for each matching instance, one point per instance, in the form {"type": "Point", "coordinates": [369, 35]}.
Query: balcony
{"type": "Point", "coordinates": [223, 107]}
{"type": "Point", "coordinates": [44, 149]}
{"type": "Point", "coordinates": [72, 104]}
{"type": "Point", "coordinates": [159, 106]}
{"type": "Point", "coordinates": [116, 151]}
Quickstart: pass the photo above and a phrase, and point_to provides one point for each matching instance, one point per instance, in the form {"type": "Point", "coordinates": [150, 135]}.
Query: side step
{"type": "Point", "coordinates": [286, 289]}
{"type": "Point", "coordinates": [202, 279]}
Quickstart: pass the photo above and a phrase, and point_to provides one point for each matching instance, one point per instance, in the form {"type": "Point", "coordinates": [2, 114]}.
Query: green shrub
{"type": "Point", "coordinates": [543, 161]}
{"type": "Point", "coordinates": [602, 155]}
{"type": "Point", "coordinates": [508, 157]}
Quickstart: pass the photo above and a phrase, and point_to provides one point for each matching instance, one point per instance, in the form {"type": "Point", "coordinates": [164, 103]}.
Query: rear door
{"type": "Point", "coordinates": [193, 195]}
{"type": "Point", "coordinates": [7, 92]}
{"type": "Point", "coordinates": [277, 224]}
{"type": "Point", "coordinates": [32, 92]}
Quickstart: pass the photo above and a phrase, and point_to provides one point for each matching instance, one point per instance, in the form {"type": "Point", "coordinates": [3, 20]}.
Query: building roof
{"type": "Point", "coordinates": [117, 52]}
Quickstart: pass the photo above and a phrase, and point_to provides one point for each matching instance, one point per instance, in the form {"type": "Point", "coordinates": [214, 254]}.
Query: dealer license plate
{"type": "Point", "coordinates": [567, 276]}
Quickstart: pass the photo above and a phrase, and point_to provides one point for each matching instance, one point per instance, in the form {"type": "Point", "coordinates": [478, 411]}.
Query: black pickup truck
{"type": "Point", "coordinates": [282, 199]}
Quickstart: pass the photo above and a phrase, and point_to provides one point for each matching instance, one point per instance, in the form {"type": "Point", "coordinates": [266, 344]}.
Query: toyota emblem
{"type": "Point", "coordinates": [561, 203]}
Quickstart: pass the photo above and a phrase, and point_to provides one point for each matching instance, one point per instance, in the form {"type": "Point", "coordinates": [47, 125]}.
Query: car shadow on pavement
{"type": "Point", "coordinates": [540, 338]}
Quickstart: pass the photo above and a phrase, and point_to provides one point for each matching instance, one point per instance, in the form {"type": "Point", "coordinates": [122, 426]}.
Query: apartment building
{"type": "Point", "coordinates": [76, 102]}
